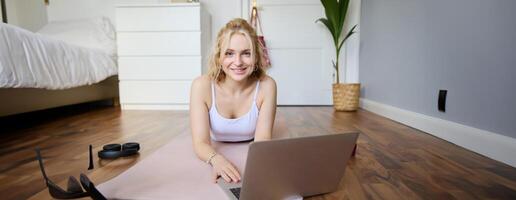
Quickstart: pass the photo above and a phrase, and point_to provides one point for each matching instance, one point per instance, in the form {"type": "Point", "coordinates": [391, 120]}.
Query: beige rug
{"type": "Point", "coordinates": [175, 172]}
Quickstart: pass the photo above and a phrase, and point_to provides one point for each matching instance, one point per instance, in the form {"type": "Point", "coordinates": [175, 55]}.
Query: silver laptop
{"type": "Point", "coordinates": [293, 168]}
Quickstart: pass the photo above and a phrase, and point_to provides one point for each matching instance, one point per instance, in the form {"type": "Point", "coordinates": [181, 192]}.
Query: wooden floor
{"type": "Point", "coordinates": [393, 161]}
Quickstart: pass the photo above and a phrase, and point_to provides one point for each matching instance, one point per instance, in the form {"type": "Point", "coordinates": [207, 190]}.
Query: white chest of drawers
{"type": "Point", "coordinates": [161, 49]}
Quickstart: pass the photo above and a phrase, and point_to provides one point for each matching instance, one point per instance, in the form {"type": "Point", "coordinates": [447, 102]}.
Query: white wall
{"type": "Point", "coordinates": [80, 9]}
{"type": "Point", "coordinates": [221, 12]}
{"type": "Point", "coordinates": [11, 7]}
{"type": "Point", "coordinates": [350, 53]}
{"type": "Point", "coordinates": [28, 14]}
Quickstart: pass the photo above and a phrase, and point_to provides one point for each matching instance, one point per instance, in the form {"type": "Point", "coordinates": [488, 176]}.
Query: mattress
{"type": "Point", "coordinates": [63, 55]}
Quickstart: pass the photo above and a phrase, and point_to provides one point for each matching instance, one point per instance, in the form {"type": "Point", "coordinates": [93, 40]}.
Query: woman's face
{"type": "Point", "coordinates": [237, 62]}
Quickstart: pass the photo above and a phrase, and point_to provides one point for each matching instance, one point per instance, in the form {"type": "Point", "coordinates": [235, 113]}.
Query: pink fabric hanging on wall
{"type": "Point", "coordinates": [255, 22]}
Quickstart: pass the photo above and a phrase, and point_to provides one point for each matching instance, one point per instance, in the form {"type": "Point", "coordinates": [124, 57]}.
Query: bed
{"type": "Point", "coordinates": [66, 62]}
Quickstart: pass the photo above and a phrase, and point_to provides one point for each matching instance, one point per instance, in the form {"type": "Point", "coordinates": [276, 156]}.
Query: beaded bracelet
{"type": "Point", "coordinates": [211, 157]}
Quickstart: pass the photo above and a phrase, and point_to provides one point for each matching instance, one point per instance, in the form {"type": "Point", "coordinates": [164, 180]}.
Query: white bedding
{"type": "Point", "coordinates": [94, 33]}
{"type": "Point", "coordinates": [32, 60]}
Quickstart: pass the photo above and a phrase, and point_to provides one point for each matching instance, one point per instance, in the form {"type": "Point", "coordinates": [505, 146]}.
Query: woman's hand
{"type": "Point", "coordinates": [225, 169]}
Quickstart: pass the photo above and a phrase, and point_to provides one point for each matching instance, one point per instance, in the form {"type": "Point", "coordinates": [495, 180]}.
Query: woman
{"type": "Point", "coordinates": [235, 101]}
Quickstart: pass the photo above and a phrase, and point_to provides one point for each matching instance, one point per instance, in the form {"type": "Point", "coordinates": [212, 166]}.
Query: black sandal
{"type": "Point", "coordinates": [74, 189]}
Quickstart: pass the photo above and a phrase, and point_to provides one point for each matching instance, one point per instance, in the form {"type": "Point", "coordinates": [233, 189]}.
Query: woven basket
{"type": "Point", "coordinates": [345, 96]}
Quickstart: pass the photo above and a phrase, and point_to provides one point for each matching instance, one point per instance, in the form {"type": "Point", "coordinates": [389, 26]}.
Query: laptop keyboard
{"type": "Point", "coordinates": [235, 191]}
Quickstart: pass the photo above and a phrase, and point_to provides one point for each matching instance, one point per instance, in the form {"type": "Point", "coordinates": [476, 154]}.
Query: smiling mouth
{"type": "Point", "coordinates": [238, 70]}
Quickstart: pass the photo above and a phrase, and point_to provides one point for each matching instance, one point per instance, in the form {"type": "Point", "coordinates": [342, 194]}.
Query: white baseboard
{"type": "Point", "coordinates": [492, 145]}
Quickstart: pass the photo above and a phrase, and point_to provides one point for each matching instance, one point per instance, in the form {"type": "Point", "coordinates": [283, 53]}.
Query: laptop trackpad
{"type": "Point", "coordinates": [223, 182]}
{"type": "Point", "coordinates": [231, 189]}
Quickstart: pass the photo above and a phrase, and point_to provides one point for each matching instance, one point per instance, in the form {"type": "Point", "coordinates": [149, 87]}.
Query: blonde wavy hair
{"type": "Point", "coordinates": [235, 26]}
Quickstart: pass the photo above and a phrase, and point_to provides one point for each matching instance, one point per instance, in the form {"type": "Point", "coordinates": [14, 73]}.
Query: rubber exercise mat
{"type": "Point", "coordinates": [174, 171]}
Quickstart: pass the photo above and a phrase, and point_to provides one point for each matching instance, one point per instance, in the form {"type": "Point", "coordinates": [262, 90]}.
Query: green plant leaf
{"type": "Point", "coordinates": [342, 12]}
{"type": "Point", "coordinates": [331, 9]}
{"type": "Point", "coordinates": [336, 11]}
{"type": "Point", "coordinates": [347, 36]}
{"type": "Point", "coordinates": [350, 32]}
{"type": "Point", "coordinates": [330, 28]}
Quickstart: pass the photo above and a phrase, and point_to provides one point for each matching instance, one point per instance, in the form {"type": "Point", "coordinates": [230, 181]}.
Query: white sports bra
{"type": "Point", "coordinates": [233, 130]}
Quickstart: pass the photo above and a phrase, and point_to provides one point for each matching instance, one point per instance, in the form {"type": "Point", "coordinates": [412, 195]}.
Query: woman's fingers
{"type": "Point", "coordinates": [234, 171]}
{"type": "Point", "coordinates": [225, 176]}
{"type": "Point", "coordinates": [231, 174]}
{"type": "Point", "coordinates": [225, 169]}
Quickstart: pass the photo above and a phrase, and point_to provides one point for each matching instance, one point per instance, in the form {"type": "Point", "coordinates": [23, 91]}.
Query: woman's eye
{"type": "Point", "coordinates": [247, 53]}
{"type": "Point", "coordinates": [229, 53]}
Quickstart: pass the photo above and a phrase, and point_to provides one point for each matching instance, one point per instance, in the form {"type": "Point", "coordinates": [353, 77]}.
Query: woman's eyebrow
{"type": "Point", "coordinates": [234, 50]}
{"type": "Point", "coordinates": [240, 51]}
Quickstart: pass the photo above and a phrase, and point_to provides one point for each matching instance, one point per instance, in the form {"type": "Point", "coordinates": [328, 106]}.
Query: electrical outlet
{"type": "Point", "coordinates": [441, 101]}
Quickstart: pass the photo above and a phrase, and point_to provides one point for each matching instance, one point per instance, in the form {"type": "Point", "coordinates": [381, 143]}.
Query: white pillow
{"type": "Point", "coordinates": [95, 33]}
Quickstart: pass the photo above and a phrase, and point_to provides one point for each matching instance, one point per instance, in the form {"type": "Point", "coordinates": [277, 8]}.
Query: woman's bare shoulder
{"type": "Point", "coordinates": [201, 84]}
{"type": "Point", "coordinates": [201, 81]}
{"type": "Point", "coordinates": [268, 83]}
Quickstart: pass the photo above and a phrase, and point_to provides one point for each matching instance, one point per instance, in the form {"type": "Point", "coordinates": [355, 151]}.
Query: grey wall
{"type": "Point", "coordinates": [412, 48]}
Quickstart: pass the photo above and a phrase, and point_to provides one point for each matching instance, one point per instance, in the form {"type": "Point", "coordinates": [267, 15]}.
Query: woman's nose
{"type": "Point", "coordinates": [238, 60]}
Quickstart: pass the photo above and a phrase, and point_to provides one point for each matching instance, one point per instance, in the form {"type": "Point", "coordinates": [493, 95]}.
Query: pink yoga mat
{"type": "Point", "coordinates": [175, 172]}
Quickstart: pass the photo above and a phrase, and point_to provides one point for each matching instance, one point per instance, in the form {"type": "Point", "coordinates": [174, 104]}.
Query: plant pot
{"type": "Point", "coordinates": [346, 96]}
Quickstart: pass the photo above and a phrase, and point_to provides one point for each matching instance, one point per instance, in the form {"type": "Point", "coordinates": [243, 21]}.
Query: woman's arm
{"type": "Point", "coordinates": [200, 127]}
{"type": "Point", "coordinates": [199, 121]}
{"type": "Point", "coordinates": [267, 110]}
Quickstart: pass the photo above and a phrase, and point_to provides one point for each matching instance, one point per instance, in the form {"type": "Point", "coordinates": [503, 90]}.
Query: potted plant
{"type": "Point", "coordinates": [345, 96]}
